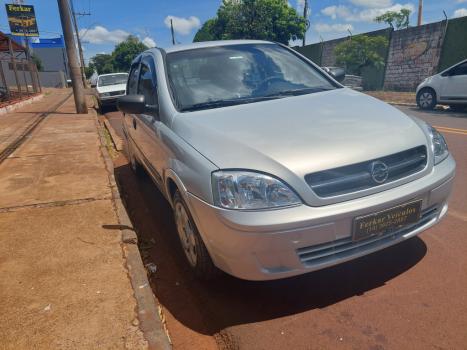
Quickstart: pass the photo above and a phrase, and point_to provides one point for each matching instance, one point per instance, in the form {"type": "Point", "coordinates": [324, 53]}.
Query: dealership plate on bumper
{"type": "Point", "coordinates": [386, 221]}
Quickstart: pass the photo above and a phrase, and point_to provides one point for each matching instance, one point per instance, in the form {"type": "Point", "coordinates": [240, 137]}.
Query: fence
{"type": "Point", "coordinates": [412, 54]}
{"type": "Point", "coordinates": [19, 77]}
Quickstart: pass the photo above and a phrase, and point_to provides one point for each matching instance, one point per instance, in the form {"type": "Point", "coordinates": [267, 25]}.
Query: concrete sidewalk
{"type": "Point", "coordinates": [63, 277]}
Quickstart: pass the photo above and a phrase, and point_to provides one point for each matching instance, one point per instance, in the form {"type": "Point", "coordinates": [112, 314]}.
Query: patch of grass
{"type": "Point", "coordinates": [109, 143]}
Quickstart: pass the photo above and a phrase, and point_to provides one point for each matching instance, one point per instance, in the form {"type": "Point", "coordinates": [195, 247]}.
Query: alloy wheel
{"type": "Point", "coordinates": [186, 233]}
{"type": "Point", "coordinates": [426, 99]}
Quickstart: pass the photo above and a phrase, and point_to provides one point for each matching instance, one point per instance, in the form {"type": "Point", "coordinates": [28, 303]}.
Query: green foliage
{"type": "Point", "coordinates": [398, 20]}
{"type": "Point", "coordinates": [37, 61]}
{"type": "Point", "coordinates": [89, 71]}
{"type": "Point", "coordinates": [207, 31]}
{"type": "Point", "coordinates": [102, 63]}
{"type": "Point", "coordinates": [119, 60]}
{"type": "Point", "coordinates": [125, 52]}
{"type": "Point", "coordinates": [361, 51]}
{"type": "Point", "coordinates": [271, 20]}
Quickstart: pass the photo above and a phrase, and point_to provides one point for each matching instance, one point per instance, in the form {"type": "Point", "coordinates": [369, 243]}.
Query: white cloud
{"type": "Point", "coordinates": [332, 28]}
{"type": "Point", "coordinates": [460, 12]}
{"type": "Point", "coordinates": [149, 42]}
{"type": "Point", "coordinates": [367, 15]}
{"type": "Point", "coordinates": [461, 1]}
{"type": "Point", "coordinates": [373, 3]}
{"type": "Point", "coordinates": [181, 25]}
{"type": "Point", "coordinates": [337, 11]}
{"type": "Point", "coordinates": [101, 35]}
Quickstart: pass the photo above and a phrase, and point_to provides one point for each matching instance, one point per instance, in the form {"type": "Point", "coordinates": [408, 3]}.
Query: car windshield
{"type": "Point", "coordinates": [113, 79]}
{"type": "Point", "coordinates": [234, 74]}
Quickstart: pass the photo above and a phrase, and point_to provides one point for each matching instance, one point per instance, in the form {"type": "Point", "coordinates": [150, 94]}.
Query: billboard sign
{"type": "Point", "coordinates": [22, 20]}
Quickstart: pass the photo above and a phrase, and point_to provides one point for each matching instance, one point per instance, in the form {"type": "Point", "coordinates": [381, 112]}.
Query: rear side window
{"type": "Point", "coordinates": [147, 83]}
{"type": "Point", "coordinates": [461, 69]}
{"type": "Point", "coordinates": [133, 80]}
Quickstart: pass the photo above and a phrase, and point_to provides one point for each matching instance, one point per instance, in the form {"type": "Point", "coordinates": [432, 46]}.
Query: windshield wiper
{"type": "Point", "coordinates": [225, 103]}
{"type": "Point", "coordinates": [297, 92]}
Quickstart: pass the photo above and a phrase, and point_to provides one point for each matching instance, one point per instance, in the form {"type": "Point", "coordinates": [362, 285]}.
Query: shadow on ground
{"type": "Point", "coordinates": [209, 307]}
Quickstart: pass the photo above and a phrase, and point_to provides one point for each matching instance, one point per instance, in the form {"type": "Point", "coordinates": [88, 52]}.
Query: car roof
{"type": "Point", "coordinates": [204, 44]}
{"type": "Point", "coordinates": [103, 75]}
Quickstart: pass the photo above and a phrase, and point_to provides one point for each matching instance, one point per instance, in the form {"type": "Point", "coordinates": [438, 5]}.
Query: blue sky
{"type": "Point", "coordinates": [112, 20]}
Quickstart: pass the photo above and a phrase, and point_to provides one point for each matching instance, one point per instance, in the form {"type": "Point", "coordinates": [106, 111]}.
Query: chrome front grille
{"type": "Point", "coordinates": [357, 177]}
{"type": "Point", "coordinates": [342, 248]}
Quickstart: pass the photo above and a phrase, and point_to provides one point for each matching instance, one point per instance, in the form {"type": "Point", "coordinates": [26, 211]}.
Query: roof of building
{"type": "Point", "coordinates": [4, 47]}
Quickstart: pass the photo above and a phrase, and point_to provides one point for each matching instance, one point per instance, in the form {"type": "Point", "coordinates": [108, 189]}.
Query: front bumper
{"type": "Point", "coordinates": [266, 245]}
{"type": "Point", "coordinates": [108, 100]}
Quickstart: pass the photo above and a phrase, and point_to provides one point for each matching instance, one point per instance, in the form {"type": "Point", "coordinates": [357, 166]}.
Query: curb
{"type": "Point", "coordinates": [19, 104]}
{"type": "Point", "coordinates": [401, 103]}
{"type": "Point", "coordinates": [116, 140]}
{"type": "Point", "coordinates": [414, 105]}
{"type": "Point", "coordinates": [149, 318]}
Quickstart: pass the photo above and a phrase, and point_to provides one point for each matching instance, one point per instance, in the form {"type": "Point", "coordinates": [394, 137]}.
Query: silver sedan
{"type": "Point", "coordinates": [272, 167]}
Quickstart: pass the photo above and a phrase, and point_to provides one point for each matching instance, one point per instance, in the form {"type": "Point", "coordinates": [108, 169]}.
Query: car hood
{"type": "Point", "coordinates": [110, 88]}
{"type": "Point", "coordinates": [300, 134]}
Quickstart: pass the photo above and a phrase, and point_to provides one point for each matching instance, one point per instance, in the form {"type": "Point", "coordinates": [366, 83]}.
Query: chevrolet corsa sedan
{"type": "Point", "coordinates": [272, 167]}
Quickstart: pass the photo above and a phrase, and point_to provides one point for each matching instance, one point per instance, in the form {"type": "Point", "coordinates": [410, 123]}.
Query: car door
{"type": "Point", "coordinates": [149, 121]}
{"type": "Point", "coordinates": [454, 86]}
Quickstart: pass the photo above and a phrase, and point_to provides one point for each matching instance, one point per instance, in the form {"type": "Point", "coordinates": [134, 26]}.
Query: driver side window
{"type": "Point", "coordinates": [133, 80]}
{"type": "Point", "coordinates": [148, 86]}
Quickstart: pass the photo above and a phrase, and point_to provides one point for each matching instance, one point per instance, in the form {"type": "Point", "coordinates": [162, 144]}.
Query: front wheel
{"type": "Point", "coordinates": [191, 242]}
{"type": "Point", "coordinates": [426, 98]}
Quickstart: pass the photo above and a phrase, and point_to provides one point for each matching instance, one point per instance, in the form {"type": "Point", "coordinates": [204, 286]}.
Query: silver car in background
{"type": "Point", "coordinates": [272, 167]}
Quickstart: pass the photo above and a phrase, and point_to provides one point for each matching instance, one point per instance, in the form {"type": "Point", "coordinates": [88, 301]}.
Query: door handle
{"type": "Point", "coordinates": [134, 123]}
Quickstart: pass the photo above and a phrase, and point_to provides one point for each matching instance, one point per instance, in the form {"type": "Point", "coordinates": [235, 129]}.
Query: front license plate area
{"type": "Point", "coordinates": [386, 221]}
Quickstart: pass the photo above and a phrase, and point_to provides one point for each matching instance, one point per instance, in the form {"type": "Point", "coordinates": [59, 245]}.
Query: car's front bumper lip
{"type": "Point", "coordinates": [109, 99]}
{"type": "Point", "coordinates": [264, 245]}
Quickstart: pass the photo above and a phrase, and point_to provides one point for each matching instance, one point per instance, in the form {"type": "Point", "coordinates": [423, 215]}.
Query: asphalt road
{"type": "Point", "coordinates": [410, 296]}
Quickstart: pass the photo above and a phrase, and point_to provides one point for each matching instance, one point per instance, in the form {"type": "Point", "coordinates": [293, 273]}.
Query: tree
{"type": "Point", "coordinates": [37, 61]}
{"type": "Point", "coordinates": [89, 70]}
{"type": "Point", "coordinates": [207, 32]}
{"type": "Point", "coordinates": [125, 52]}
{"type": "Point", "coordinates": [361, 51]}
{"type": "Point", "coordinates": [271, 20]}
{"type": "Point", "coordinates": [399, 19]}
{"type": "Point", "coordinates": [102, 63]}
{"type": "Point", "coordinates": [119, 60]}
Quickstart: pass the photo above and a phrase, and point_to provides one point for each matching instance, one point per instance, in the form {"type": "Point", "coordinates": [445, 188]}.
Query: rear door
{"type": "Point", "coordinates": [454, 85]}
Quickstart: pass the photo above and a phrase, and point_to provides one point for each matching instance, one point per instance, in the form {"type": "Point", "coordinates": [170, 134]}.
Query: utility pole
{"type": "Point", "coordinates": [420, 11]}
{"type": "Point", "coordinates": [307, 22]}
{"type": "Point", "coordinates": [80, 49]}
{"type": "Point", "coordinates": [75, 72]}
{"type": "Point", "coordinates": [172, 31]}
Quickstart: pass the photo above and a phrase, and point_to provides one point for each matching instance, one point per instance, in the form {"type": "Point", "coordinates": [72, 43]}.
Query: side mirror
{"type": "Point", "coordinates": [132, 104]}
{"type": "Point", "coordinates": [338, 74]}
{"type": "Point", "coordinates": [335, 72]}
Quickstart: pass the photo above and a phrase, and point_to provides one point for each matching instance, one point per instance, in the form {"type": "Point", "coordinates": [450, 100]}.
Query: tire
{"type": "Point", "coordinates": [191, 243]}
{"type": "Point", "coordinates": [426, 98]}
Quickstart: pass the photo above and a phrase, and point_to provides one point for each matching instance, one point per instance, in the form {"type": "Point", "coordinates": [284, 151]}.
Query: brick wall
{"type": "Point", "coordinates": [414, 54]}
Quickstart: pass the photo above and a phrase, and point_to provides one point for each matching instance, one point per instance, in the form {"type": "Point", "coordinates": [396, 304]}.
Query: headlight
{"type": "Point", "coordinates": [438, 145]}
{"type": "Point", "coordinates": [250, 190]}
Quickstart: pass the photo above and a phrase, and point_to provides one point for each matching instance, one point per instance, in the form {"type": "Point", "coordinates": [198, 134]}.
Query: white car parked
{"type": "Point", "coordinates": [110, 87]}
{"type": "Point", "coordinates": [448, 87]}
